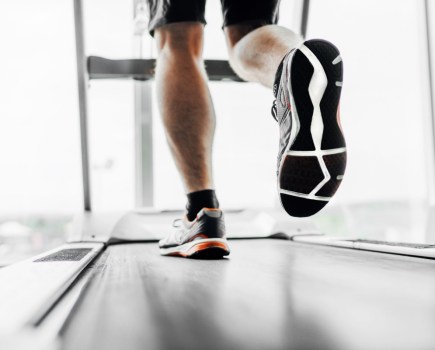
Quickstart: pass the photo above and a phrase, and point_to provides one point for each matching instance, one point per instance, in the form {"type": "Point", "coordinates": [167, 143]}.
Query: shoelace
{"type": "Point", "coordinates": [274, 111]}
{"type": "Point", "coordinates": [177, 223]}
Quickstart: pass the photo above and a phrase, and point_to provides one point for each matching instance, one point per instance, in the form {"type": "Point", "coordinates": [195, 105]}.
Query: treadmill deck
{"type": "Point", "coordinates": [269, 294]}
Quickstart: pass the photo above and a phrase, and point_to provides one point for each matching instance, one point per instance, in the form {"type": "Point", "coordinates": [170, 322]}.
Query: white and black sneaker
{"type": "Point", "coordinates": [203, 238]}
{"type": "Point", "coordinates": [312, 150]}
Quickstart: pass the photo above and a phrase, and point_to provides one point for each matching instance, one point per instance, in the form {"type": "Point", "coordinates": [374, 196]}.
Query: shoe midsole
{"type": "Point", "coordinates": [206, 243]}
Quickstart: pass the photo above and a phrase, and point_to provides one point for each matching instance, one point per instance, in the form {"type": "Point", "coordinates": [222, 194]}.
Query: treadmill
{"type": "Point", "coordinates": [285, 285]}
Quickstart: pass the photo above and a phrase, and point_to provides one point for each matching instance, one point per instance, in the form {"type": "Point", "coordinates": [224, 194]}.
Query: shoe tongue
{"type": "Point", "coordinates": [278, 77]}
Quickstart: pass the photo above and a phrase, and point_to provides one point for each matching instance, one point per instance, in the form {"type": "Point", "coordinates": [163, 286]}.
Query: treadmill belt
{"type": "Point", "coordinates": [269, 294]}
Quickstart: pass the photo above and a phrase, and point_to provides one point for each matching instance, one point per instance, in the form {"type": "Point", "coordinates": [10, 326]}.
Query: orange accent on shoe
{"type": "Point", "coordinates": [203, 246]}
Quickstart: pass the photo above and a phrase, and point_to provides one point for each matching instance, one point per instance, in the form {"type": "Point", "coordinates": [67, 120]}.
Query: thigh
{"type": "Point", "coordinates": [162, 12]}
{"type": "Point", "coordinates": [256, 12]}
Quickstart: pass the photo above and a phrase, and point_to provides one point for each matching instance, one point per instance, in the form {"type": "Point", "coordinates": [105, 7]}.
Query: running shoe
{"type": "Point", "coordinates": [202, 238]}
{"type": "Point", "coordinates": [312, 149]}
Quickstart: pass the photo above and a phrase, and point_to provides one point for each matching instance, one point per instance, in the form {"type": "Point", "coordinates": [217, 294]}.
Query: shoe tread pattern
{"type": "Point", "coordinates": [300, 77]}
{"type": "Point", "coordinates": [300, 174]}
{"type": "Point", "coordinates": [336, 164]}
{"type": "Point", "coordinates": [326, 53]}
{"type": "Point", "coordinates": [303, 174]}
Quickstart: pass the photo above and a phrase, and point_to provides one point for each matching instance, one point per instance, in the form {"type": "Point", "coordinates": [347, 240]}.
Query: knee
{"type": "Point", "coordinates": [235, 33]}
{"type": "Point", "coordinates": [237, 50]}
{"type": "Point", "coordinates": [184, 40]}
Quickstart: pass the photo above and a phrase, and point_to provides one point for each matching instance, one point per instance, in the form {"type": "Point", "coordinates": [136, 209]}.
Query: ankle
{"type": "Point", "coordinates": [198, 200]}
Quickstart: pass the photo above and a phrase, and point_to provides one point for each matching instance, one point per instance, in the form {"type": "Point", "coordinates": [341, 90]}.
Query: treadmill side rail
{"type": "Point", "coordinates": [415, 250]}
{"type": "Point", "coordinates": [31, 287]}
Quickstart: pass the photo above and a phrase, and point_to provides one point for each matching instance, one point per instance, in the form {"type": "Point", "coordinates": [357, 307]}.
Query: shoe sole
{"type": "Point", "coordinates": [313, 165]}
{"type": "Point", "coordinates": [210, 248]}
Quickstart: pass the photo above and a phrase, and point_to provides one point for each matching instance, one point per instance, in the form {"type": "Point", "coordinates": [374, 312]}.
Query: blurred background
{"type": "Point", "coordinates": [385, 109]}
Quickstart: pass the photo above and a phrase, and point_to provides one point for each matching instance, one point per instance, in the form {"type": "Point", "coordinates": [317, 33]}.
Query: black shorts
{"type": "Point", "coordinates": [259, 12]}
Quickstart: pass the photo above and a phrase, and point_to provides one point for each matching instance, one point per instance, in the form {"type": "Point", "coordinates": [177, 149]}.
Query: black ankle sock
{"type": "Point", "coordinates": [198, 200]}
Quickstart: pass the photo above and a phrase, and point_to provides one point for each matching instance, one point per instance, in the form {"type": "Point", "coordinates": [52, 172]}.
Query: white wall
{"type": "Point", "coordinates": [384, 99]}
{"type": "Point", "coordinates": [39, 155]}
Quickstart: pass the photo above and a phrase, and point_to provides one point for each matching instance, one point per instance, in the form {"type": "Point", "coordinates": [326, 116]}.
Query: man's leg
{"type": "Point", "coordinates": [189, 120]}
{"type": "Point", "coordinates": [187, 109]}
{"type": "Point", "coordinates": [255, 52]}
{"type": "Point", "coordinates": [185, 103]}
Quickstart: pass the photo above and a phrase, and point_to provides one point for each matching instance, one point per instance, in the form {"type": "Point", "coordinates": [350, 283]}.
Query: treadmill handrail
{"type": "Point", "coordinates": [144, 69]}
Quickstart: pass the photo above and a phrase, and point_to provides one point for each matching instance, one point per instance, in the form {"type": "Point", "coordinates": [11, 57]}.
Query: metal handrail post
{"type": "Point", "coordinates": [82, 80]}
{"type": "Point", "coordinates": [304, 20]}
